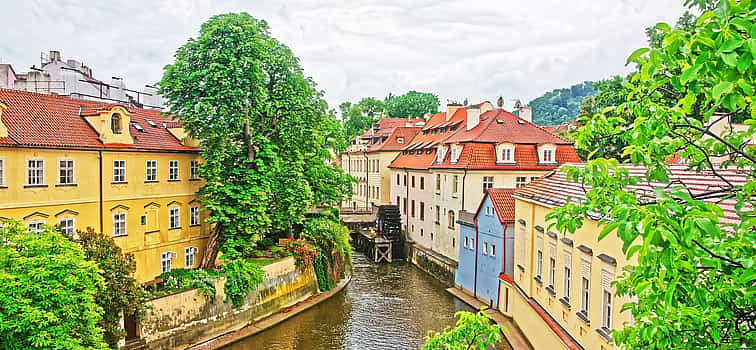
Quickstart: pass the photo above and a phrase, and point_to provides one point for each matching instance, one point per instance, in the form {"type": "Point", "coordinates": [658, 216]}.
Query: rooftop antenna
{"type": "Point", "coordinates": [500, 102]}
{"type": "Point", "coordinates": [517, 104]}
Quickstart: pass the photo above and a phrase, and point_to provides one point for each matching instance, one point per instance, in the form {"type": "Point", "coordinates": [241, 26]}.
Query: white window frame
{"type": "Point", "coordinates": [548, 156]}
{"type": "Point", "coordinates": [62, 167]}
{"type": "Point", "coordinates": [493, 250]}
{"type": "Point", "coordinates": [485, 248]}
{"type": "Point", "coordinates": [36, 226]}
{"type": "Point", "coordinates": [488, 182]}
{"type": "Point", "coordinates": [2, 172]}
{"type": "Point", "coordinates": [165, 262]}
{"type": "Point", "coordinates": [552, 272]}
{"type": "Point", "coordinates": [150, 173]}
{"type": "Point", "coordinates": [489, 211]}
{"type": "Point", "coordinates": [194, 170]}
{"type": "Point", "coordinates": [606, 309]}
{"type": "Point", "coordinates": [539, 263]}
{"type": "Point", "coordinates": [472, 243]}
{"type": "Point", "coordinates": [466, 239]}
{"type": "Point", "coordinates": [67, 230]}
{"type": "Point", "coordinates": [119, 171]}
{"type": "Point", "coordinates": [567, 281]}
{"type": "Point", "coordinates": [173, 170]}
{"type": "Point", "coordinates": [194, 216]}
{"type": "Point", "coordinates": [174, 218]}
{"type": "Point", "coordinates": [119, 224]}
{"type": "Point", "coordinates": [521, 181]}
{"type": "Point", "coordinates": [189, 255]}
{"type": "Point", "coordinates": [35, 172]}
{"type": "Point", "coordinates": [585, 294]}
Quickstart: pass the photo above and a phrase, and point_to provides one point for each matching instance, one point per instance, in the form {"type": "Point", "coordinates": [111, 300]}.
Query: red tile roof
{"type": "Point", "coordinates": [554, 189]}
{"type": "Point", "coordinates": [391, 143]}
{"type": "Point", "coordinates": [431, 135]}
{"type": "Point", "coordinates": [38, 120]}
{"type": "Point", "coordinates": [503, 202]}
{"type": "Point", "coordinates": [482, 156]}
{"type": "Point", "coordinates": [500, 126]}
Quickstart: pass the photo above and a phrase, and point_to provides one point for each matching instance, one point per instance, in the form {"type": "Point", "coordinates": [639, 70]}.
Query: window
{"type": "Point", "coordinates": [37, 226]}
{"type": "Point", "coordinates": [173, 170]}
{"type": "Point", "coordinates": [472, 243]}
{"type": "Point", "coordinates": [606, 321]}
{"type": "Point", "coordinates": [488, 182]}
{"type": "Point", "coordinates": [454, 155]}
{"type": "Point", "coordinates": [489, 211]}
{"type": "Point", "coordinates": [65, 172]}
{"type": "Point", "coordinates": [533, 178]}
{"type": "Point", "coordinates": [493, 250]}
{"type": "Point", "coordinates": [194, 170]}
{"type": "Point", "coordinates": [584, 286]}
{"type": "Point", "coordinates": [453, 241]}
{"type": "Point", "coordinates": [521, 181]}
{"type": "Point", "coordinates": [506, 154]}
{"type": "Point", "coordinates": [66, 227]}
{"type": "Point", "coordinates": [194, 216]}
{"type": "Point", "coordinates": [548, 156]}
{"type": "Point", "coordinates": [400, 140]}
{"type": "Point", "coordinates": [119, 224]}
{"type": "Point", "coordinates": [567, 283]}
{"type": "Point", "coordinates": [173, 218]}
{"type": "Point", "coordinates": [397, 180]}
{"type": "Point", "coordinates": [485, 248]}
{"type": "Point", "coordinates": [422, 211]}
{"type": "Point", "coordinates": [422, 182]}
{"type": "Point", "coordinates": [438, 214]}
{"type": "Point", "coordinates": [189, 254]}
{"type": "Point", "coordinates": [397, 201]}
{"type": "Point", "coordinates": [119, 171]}
{"type": "Point", "coordinates": [455, 184]}
{"type": "Point", "coordinates": [539, 263]}
{"type": "Point", "coordinates": [115, 123]}
{"type": "Point", "coordinates": [165, 262]}
{"type": "Point", "coordinates": [2, 172]}
{"type": "Point", "coordinates": [438, 182]}
{"type": "Point", "coordinates": [413, 181]}
{"type": "Point", "coordinates": [465, 244]}
{"type": "Point", "coordinates": [552, 271]}
{"type": "Point", "coordinates": [522, 245]}
{"type": "Point", "coordinates": [35, 172]}
{"type": "Point", "coordinates": [405, 180]}
{"type": "Point", "coordinates": [451, 219]}
{"type": "Point", "coordinates": [405, 206]}
{"type": "Point", "coordinates": [412, 210]}
{"type": "Point", "coordinates": [151, 171]}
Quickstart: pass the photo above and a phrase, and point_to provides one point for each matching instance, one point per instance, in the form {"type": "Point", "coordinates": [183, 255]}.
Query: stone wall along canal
{"type": "Point", "coordinates": [387, 306]}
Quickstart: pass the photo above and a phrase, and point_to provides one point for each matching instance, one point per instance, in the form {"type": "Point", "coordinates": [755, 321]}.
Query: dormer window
{"type": "Point", "coordinates": [548, 156]}
{"type": "Point", "coordinates": [115, 123]}
{"type": "Point", "coordinates": [454, 155]}
{"type": "Point", "coordinates": [505, 153]}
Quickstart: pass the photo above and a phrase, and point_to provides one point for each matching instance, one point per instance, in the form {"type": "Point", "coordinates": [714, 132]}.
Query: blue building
{"type": "Point", "coordinates": [486, 246]}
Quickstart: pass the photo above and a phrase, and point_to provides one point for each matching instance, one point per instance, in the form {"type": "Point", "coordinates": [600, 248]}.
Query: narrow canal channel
{"type": "Point", "coordinates": [384, 307]}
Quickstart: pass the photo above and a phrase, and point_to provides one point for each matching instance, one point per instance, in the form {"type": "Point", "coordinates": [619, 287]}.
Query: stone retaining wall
{"type": "Point", "coordinates": [433, 263]}
{"type": "Point", "coordinates": [186, 318]}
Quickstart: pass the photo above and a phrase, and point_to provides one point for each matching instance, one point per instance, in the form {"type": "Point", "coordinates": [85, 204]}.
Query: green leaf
{"type": "Point", "coordinates": [720, 89]}
{"type": "Point", "coordinates": [731, 59]}
{"type": "Point", "coordinates": [636, 55]}
{"type": "Point", "coordinates": [608, 229]}
{"type": "Point", "coordinates": [689, 74]}
{"type": "Point", "coordinates": [730, 45]}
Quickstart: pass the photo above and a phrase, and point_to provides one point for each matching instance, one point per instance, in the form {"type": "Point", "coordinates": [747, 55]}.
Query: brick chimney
{"type": "Point", "coordinates": [452, 108]}
{"type": "Point", "coordinates": [526, 113]}
{"type": "Point", "coordinates": [473, 117]}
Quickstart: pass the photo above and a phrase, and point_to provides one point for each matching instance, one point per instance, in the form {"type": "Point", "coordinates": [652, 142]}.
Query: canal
{"type": "Point", "coordinates": [384, 307]}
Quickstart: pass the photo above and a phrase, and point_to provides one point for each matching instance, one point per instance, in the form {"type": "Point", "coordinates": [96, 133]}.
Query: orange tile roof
{"type": "Point", "coordinates": [391, 143]}
{"type": "Point", "coordinates": [554, 189]}
{"type": "Point", "coordinates": [481, 156]}
{"type": "Point", "coordinates": [503, 202]}
{"type": "Point", "coordinates": [51, 121]}
{"type": "Point", "coordinates": [500, 126]}
{"type": "Point", "coordinates": [430, 136]}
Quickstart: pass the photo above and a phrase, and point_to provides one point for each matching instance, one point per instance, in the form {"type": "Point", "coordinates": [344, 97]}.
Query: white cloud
{"type": "Point", "coordinates": [353, 48]}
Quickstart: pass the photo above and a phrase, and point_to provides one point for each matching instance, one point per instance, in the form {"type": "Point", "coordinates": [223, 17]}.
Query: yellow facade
{"type": "Point", "coordinates": [537, 308]}
{"type": "Point", "coordinates": [93, 198]}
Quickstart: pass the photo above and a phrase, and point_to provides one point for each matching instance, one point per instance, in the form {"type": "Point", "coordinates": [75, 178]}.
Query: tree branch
{"type": "Point", "coordinates": [733, 263]}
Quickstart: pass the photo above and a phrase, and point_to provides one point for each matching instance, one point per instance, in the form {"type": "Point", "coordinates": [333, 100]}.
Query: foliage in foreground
{"type": "Point", "coordinates": [264, 129]}
{"type": "Point", "coordinates": [122, 294]}
{"type": "Point", "coordinates": [241, 277]}
{"type": "Point", "coordinates": [695, 280]}
{"type": "Point", "coordinates": [472, 331]}
{"type": "Point", "coordinates": [48, 292]}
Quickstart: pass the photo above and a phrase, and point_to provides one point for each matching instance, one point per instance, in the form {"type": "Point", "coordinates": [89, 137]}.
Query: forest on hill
{"type": "Point", "coordinates": [560, 105]}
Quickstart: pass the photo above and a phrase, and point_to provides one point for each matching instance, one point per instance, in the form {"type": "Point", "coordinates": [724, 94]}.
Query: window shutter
{"type": "Point", "coordinates": [585, 268]}
{"type": "Point", "coordinates": [552, 250]}
{"type": "Point", "coordinates": [567, 258]}
{"type": "Point", "coordinates": [607, 276]}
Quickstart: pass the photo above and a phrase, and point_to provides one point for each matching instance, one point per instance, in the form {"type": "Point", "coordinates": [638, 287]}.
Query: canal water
{"type": "Point", "coordinates": [387, 306]}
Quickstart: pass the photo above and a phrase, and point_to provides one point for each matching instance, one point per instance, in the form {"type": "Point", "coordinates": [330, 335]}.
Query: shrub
{"type": "Point", "coordinates": [241, 277]}
{"type": "Point", "coordinates": [304, 253]}
{"type": "Point", "coordinates": [183, 279]}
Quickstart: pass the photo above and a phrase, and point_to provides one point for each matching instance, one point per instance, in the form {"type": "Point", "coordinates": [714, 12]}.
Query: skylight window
{"type": "Point", "coordinates": [137, 126]}
{"type": "Point", "coordinates": [152, 124]}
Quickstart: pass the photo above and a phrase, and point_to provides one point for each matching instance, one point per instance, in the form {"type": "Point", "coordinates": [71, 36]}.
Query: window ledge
{"type": "Point", "coordinates": [551, 291]}
{"type": "Point", "coordinates": [565, 302]}
{"type": "Point", "coordinates": [194, 179]}
{"type": "Point", "coordinates": [151, 181]}
{"type": "Point", "coordinates": [538, 279]}
{"type": "Point", "coordinates": [123, 235]}
{"type": "Point", "coordinates": [583, 317]}
{"type": "Point", "coordinates": [153, 231]}
{"type": "Point", "coordinates": [119, 182]}
{"type": "Point", "coordinates": [66, 185]}
{"type": "Point", "coordinates": [604, 333]}
{"type": "Point", "coordinates": [522, 268]}
{"type": "Point", "coordinates": [35, 186]}
{"type": "Point", "coordinates": [174, 228]}
{"type": "Point", "coordinates": [437, 222]}
{"type": "Point", "coordinates": [3, 187]}
{"type": "Point", "coordinates": [195, 225]}
{"type": "Point", "coordinates": [176, 180]}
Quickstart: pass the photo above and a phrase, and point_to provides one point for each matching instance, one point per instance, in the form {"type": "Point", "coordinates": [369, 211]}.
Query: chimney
{"type": "Point", "coordinates": [526, 113]}
{"type": "Point", "coordinates": [452, 108]}
{"type": "Point", "coordinates": [54, 56]}
{"type": "Point", "coordinates": [473, 117]}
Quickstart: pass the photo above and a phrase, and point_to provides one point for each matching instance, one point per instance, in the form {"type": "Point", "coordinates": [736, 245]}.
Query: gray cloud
{"type": "Point", "coordinates": [354, 48]}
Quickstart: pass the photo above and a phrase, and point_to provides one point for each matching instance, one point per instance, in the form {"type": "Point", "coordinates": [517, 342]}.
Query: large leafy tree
{"type": "Point", "coordinates": [413, 104]}
{"type": "Point", "coordinates": [360, 116]}
{"type": "Point", "coordinates": [560, 106]}
{"type": "Point", "coordinates": [472, 331]}
{"type": "Point", "coordinates": [694, 281]}
{"type": "Point", "coordinates": [48, 292]}
{"type": "Point", "coordinates": [260, 122]}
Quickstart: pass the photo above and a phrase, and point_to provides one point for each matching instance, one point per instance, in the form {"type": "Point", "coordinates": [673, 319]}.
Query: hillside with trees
{"type": "Point", "coordinates": [560, 105]}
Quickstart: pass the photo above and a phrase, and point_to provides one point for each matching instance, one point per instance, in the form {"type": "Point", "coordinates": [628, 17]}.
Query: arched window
{"type": "Point", "coordinates": [115, 123]}
{"type": "Point", "coordinates": [451, 218]}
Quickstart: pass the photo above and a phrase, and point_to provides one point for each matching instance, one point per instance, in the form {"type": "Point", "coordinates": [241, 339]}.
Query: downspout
{"type": "Point", "coordinates": [463, 189]}
{"type": "Point", "coordinates": [475, 276]}
{"type": "Point", "coordinates": [101, 202]}
{"type": "Point", "coordinates": [407, 185]}
{"type": "Point", "coordinates": [367, 179]}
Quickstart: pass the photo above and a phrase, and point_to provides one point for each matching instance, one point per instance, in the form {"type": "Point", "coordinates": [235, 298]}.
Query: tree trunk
{"type": "Point", "coordinates": [212, 248]}
{"type": "Point", "coordinates": [250, 146]}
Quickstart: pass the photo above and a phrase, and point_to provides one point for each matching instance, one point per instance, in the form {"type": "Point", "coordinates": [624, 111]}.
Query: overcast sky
{"type": "Point", "coordinates": [353, 48]}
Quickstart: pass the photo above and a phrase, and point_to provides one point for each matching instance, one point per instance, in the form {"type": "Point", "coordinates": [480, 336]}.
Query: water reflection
{"type": "Point", "coordinates": [384, 307]}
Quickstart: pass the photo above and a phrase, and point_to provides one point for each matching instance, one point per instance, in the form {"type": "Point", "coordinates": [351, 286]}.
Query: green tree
{"type": "Point", "coordinates": [560, 105]}
{"type": "Point", "coordinates": [48, 292]}
{"type": "Point", "coordinates": [695, 280]}
{"type": "Point", "coordinates": [413, 104]}
{"type": "Point", "coordinates": [260, 122]}
{"type": "Point", "coordinates": [472, 331]}
{"type": "Point", "coordinates": [122, 295]}
{"type": "Point", "coordinates": [361, 116]}
{"type": "Point", "coordinates": [610, 93]}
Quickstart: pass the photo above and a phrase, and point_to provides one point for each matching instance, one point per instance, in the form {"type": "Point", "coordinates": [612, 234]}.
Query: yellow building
{"type": "Point", "coordinates": [128, 172]}
{"type": "Point", "coordinates": [560, 295]}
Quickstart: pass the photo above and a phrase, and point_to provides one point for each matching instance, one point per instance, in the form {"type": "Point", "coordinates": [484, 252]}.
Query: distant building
{"type": "Point", "coordinates": [486, 245]}
{"type": "Point", "coordinates": [74, 79]}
